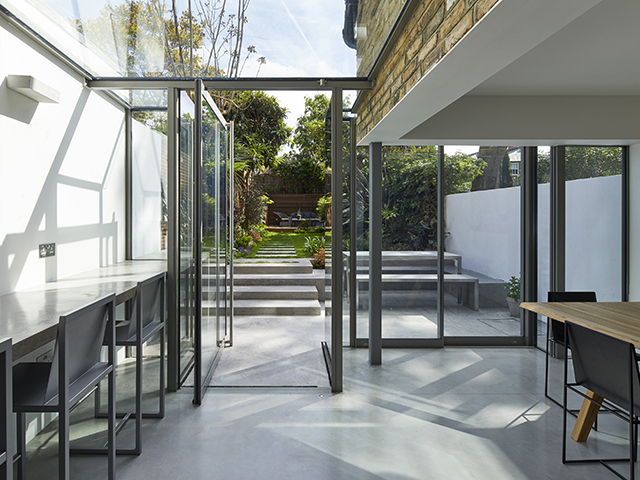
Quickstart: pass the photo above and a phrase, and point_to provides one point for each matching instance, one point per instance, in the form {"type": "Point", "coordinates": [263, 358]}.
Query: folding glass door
{"type": "Point", "coordinates": [203, 238]}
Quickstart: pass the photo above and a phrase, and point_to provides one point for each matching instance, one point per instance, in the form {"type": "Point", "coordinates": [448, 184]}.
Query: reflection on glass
{"type": "Point", "coordinates": [186, 235]}
{"type": "Point", "coordinates": [373, 23]}
{"type": "Point", "coordinates": [149, 184]}
{"type": "Point", "coordinates": [482, 241]}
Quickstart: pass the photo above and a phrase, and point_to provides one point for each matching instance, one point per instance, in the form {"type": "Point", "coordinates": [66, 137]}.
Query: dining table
{"type": "Point", "coordinates": [617, 319]}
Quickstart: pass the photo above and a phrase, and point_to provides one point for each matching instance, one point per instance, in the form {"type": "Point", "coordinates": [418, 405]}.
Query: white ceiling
{"type": "Point", "coordinates": [520, 50]}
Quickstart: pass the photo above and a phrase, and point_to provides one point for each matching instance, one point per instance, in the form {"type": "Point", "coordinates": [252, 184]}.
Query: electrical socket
{"type": "Point", "coordinates": [47, 250]}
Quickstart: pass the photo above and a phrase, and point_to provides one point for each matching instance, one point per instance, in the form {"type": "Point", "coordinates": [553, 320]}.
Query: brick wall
{"type": "Point", "coordinates": [434, 28]}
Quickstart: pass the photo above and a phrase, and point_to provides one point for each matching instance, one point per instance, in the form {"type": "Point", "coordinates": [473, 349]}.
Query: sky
{"type": "Point", "coordinates": [298, 38]}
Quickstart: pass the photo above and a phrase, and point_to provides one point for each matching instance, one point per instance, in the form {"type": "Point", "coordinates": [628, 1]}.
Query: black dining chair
{"type": "Point", "coordinates": [555, 331]}
{"type": "Point", "coordinates": [606, 366]}
{"type": "Point", "coordinates": [76, 371]}
{"type": "Point", "coordinates": [147, 321]}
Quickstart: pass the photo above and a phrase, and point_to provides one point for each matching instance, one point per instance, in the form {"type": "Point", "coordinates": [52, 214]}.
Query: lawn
{"type": "Point", "coordinates": [296, 239]}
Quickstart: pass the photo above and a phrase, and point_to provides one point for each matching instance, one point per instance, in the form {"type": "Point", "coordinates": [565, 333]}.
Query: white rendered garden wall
{"type": "Point", "coordinates": [484, 228]}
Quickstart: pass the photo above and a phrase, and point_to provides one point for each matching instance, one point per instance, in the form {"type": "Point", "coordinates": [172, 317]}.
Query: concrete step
{"type": "Point", "coordinates": [269, 307]}
{"type": "Point", "coordinates": [273, 268]}
{"type": "Point", "coordinates": [267, 292]}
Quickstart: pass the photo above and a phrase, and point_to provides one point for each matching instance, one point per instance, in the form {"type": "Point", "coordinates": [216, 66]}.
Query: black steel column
{"type": "Point", "coordinates": [529, 240]}
{"type": "Point", "coordinates": [557, 218]}
{"type": "Point", "coordinates": [375, 253]}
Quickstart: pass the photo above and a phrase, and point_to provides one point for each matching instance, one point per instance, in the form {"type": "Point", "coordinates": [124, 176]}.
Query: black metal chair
{"type": "Point", "coordinates": [6, 424]}
{"type": "Point", "coordinates": [76, 370]}
{"type": "Point", "coordinates": [148, 305]}
{"type": "Point", "coordinates": [557, 330]}
{"type": "Point", "coordinates": [606, 366]}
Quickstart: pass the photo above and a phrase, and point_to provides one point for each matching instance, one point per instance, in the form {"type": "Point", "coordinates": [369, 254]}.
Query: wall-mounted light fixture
{"type": "Point", "coordinates": [33, 88]}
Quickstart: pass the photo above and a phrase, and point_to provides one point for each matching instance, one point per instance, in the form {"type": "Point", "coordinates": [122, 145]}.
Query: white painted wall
{"type": "Point", "coordinates": [485, 230]}
{"type": "Point", "coordinates": [149, 147]}
{"type": "Point", "coordinates": [594, 232]}
{"type": "Point", "coordinates": [61, 172]}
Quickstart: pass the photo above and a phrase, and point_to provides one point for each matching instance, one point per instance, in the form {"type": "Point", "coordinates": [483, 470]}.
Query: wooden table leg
{"type": "Point", "coordinates": [586, 417]}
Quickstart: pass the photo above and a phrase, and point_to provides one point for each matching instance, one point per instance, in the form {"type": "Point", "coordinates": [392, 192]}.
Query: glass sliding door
{"type": "Point", "coordinates": [409, 243]}
{"type": "Point", "coordinates": [482, 242]}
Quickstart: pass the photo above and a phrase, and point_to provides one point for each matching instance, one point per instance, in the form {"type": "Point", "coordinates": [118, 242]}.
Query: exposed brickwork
{"type": "Point", "coordinates": [434, 28]}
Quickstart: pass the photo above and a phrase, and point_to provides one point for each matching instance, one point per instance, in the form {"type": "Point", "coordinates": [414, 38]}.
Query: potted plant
{"type": "Point", "coordinates": [513, 296]}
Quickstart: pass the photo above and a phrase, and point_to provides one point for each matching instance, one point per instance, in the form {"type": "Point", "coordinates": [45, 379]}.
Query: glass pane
{"type": "Point", "coordinates": [149, 184]}
{"type": "Point", "coordinates": [137, 39]}
{"type": "Point", "coordinates": [214, 141]}
{"type": "Point", "coordinates": [409, 254]}
{"type": "Point", "coordinates": [186, 235]}
{"type": "Point", "coordinates": [362, 237]}
{"type": "Point", "coordinates": [369, 27]}
{"type": "Point", "coordinates": [594, 221]}
{"type": "Point", "coordinates": [482, 240]}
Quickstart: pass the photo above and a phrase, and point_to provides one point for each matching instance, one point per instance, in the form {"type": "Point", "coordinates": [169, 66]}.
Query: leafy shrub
{"type": "Point", "coordinates": [513, 288]}
{"type": "Point", "coordinates": [321, 209]}
{"type": "Point", "coordinates": [242, 252]}
{"type": "Point", "coordinates": [313, 245]}
{"type": "Point", "coordinates": [243, 241]}
{"type": "Point", "coordinates": [318, 259]}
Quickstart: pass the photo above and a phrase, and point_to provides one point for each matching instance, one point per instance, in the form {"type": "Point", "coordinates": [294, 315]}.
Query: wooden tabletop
{"type": "Point", "coordinates": [30, 317]}
{"type": "Point", "coordinates": [618, 319]}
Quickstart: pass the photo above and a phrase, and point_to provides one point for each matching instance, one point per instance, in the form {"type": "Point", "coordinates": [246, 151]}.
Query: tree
{"type": "Point", "coordinates": [583, 162]}
{"type": "Point", "coordinates": [303, 169]}
{"type": "Point", "coordinates": [310, 139]}
{"type": "Point", "coordinates": [260, 127]}
{"type": "Point", "coordinates": [409, 184]}
{"type": "Point", "coordinates": [261, 131]}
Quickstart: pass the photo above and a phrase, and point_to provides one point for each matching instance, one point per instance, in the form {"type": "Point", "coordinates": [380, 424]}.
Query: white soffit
{"type": "Point", "coordinates": [33, 88]}
{"type": "Point", "coordinates": [506, 33]}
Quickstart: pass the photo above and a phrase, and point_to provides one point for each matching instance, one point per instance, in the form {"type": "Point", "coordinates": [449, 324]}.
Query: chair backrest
{"type": "Point", "coordinates": [79, 342]}
{"type": "Point", "coordinates": [605, 365]}
{"type": "Point", "coordinates": [148, 302]}
{"type": "Point", "coordinates": [556, 327]}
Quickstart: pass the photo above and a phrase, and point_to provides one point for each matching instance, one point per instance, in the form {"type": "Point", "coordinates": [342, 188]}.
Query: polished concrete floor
{"type": "Point", "coordinates": [451, 413]}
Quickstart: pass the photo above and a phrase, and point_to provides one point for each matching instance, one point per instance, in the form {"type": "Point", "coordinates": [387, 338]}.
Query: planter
{"type": "Point", "coordinates": [514, 307]}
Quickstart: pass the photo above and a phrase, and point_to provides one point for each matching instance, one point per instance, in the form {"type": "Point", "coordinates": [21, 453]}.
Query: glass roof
{"type": "Point", "coordinates": [138, 38]}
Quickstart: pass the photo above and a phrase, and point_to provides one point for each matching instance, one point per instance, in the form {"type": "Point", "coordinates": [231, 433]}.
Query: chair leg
{"type": "Point", "coordinates": [138, 447]}
{"type": "Point", "coordinates": [162, 373]}
{"type": "Point", "coordinates": [21, 446]}
{"type": "Point", "coordinates": [63, 442]}
{"type": "Point", "coordinates": [546, 364]}
{"type": "Point", "coordinates": [111, 413]}
{"type": "Point", "coordinates": [632, 453]}
{"type": "Point", "coordinates": [564, 413]}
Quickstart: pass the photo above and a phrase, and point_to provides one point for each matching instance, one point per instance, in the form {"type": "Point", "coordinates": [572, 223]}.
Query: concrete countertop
{"type": "Point", "coordinates": [30, 317]}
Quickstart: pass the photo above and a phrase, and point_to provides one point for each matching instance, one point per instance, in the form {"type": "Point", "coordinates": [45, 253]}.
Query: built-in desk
{"type": "Point", "coordinates": [30, 317]}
